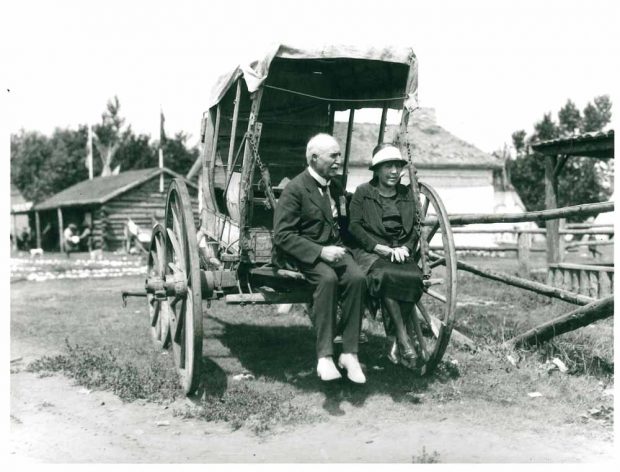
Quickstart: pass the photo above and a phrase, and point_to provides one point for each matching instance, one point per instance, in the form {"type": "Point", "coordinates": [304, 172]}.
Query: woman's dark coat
{"type": "Point", "coordinates": [366, 223]}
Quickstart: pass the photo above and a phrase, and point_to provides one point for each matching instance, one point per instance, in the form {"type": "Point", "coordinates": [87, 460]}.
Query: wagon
{"type": "Point", "coordinates": [253, 134]}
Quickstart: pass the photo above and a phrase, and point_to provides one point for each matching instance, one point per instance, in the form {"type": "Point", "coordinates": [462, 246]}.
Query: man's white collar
{"type": "Point", "coordinates": [317, 177]}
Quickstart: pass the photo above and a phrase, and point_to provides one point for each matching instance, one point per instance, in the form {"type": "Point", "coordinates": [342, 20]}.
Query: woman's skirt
{"type": "Point", "coordinates": [402, 282]}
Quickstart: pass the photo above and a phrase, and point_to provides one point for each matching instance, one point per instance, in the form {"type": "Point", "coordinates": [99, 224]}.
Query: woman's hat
{"type": "Point", "coordinates": [386, 154]}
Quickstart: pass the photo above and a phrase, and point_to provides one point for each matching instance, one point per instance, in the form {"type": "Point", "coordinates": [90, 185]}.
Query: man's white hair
{"type": "Point", "coordinates": [318, 143]}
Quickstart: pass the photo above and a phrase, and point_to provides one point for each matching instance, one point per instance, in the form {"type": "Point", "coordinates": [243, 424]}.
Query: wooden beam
{"type": "Point", "coordinates": [601, 147]}
{"type": "Point", "coordinates": [525, 284]}
{"type": "Point", "coordinates": [37, 224]}
{"type": "Point", "coordinates": [14, 230]}
{"type": "Point", "coordinates": [542, 215]}
{"type": "Point", "coordinates": [578, 318]}
{"type": "Point", "coordinates": [382, 123]}
{"type": "Point", "coordinates": [60, 230]}
{"type": "Point", "coordinates": [551, 203]}
{"type": "Point", "coordinates": [560, 165]}
{"type": "Point", "coordinates": [347, 148]}
{"type": "Point", "coordinates": [233, 130]}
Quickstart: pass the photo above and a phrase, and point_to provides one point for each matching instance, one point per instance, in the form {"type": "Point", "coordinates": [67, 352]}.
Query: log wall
{"type": "Point", "coordinates": [141, 204]}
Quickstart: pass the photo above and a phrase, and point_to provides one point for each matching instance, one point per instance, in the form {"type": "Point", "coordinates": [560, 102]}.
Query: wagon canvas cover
{"type": "Point", "coordinates": [401, 89]}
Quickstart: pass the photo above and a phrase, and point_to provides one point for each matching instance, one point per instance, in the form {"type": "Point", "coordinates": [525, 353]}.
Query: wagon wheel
{"type": "Point", "coordinates": [184, 269]}
{"type": "Point", "coordinates": [431, 327]}
{"type": "Point", "coordinates": [159, 309]}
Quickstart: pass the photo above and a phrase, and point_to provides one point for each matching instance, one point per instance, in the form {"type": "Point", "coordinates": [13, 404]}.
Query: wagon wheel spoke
{"type": "Point", "coordinates": [178, 259]}
{"type": "Point", "coordinates": [155, 316]}
{"type": "Point", "coordinates": [432, 232]}
{"type": "Point", "coordinates": [425, 206]}
{"type": "Point", "coordinates": [437, 262]}
{"type": "Point", "coordinates": [158, 262]}
{"type": "Point", "coordinates": [178, 328]}
{"type": "Point", "coordinates": [178, 231]}
{"type": "Point", "coordinates": [434, 324]}
{"type": "Point", "coordinates": [436, 295]}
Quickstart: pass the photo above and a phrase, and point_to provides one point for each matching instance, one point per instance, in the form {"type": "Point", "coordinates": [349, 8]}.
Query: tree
{"type": "Point", "coordinates": [596, 116]}
{"type": "Point", "coordinates": [518, 141]}
{"type": "Point", "coordinates": [136, 152]}
{"type": "Point", "coordinates": [109, 135]}
{"type": "Point", "coordinates": [42, 166]}
{"type": "Point", "coordinates": [177, 155]}
{"type": "Point", "coordinates": [570, 119]}
{"type": "Point", "coordinates": [30, 152]}
{"type": "Point", "coordinates": [583, 180]}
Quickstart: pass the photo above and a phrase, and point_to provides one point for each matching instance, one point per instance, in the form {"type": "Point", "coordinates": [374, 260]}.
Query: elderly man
{"type": "Point", "coordinates": [307, 229]}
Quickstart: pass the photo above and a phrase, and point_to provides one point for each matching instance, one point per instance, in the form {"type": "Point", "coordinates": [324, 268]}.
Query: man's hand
{"type": "Point", "coordinates": [384, 251]}
{"type": "Point", "coordinates": [332, 254]}
{"type": "Point", "coordinates": [400, 254]}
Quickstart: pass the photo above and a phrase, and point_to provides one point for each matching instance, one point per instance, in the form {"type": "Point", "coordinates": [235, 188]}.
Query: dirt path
{"type": "Point", "coordinates": [55, 421]}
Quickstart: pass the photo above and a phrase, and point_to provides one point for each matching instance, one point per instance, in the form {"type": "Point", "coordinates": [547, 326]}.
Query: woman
{"type": "Point", "coordinates": [382, 215]}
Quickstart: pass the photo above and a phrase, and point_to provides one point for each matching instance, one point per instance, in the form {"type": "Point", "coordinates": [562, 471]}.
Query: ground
{"type": "Point", "coordinates": [478, 410]}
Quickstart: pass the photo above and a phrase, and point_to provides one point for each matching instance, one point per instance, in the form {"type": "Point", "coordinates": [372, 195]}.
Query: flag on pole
{"type": "Point", "coordinates": [162, 133]}
{"type": "Point", "coordinates": [89, 153]}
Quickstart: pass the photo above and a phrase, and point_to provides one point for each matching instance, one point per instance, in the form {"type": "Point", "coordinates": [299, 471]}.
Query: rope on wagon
{"type": "Point", "coordinates": [327, 99]}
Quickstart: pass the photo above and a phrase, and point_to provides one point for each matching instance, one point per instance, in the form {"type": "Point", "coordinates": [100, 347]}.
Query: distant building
{"type": "Point", "coordinates": [105, 205]}
{"type": "Point", "coordinates": [467, 179]}
{"type": "Point", "coordinates": [19, 214]}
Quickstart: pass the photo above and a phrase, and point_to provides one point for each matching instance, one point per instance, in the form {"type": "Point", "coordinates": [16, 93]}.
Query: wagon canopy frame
{"type": "Point", "coordinates": [276, 104]}
{"type": "Point", "coordinates": [267, 70]}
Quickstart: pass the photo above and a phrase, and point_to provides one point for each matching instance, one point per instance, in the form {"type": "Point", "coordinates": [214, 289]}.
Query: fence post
{"type": "Point", "coordinates": [524, 243]}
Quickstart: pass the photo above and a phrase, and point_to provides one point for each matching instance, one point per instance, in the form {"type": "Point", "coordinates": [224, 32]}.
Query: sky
{"type": "Point", "coordinates": [488, 68]}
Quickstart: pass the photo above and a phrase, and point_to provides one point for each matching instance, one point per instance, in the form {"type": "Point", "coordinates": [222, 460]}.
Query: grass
{"type": "Point", "coordinates": [426, 458]}
{"type": "Point", "coordinates": [257, 409]}
{"type": "Point", "coordinates": [99, 368]}
{"type": "Point", "coordinates": [86, 335]}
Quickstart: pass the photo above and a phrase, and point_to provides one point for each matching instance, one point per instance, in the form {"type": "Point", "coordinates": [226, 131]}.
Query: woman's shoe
{"type": "Point", "coordinates": [392, 355]}
{"type": "Point", "coordinates": [407, 354]}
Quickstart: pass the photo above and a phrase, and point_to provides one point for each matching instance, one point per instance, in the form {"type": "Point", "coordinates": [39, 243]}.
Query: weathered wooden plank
{"type": "Point", "coordinates": [524, 244]}
{"type": "Point", "coordinates": [599, 268]}
{"type": "Point", "coordinates": [543, 215]}
{"type": "Point", "coordinates": [575, 281]}
{"type": "Point", "coordinates": [593, 283]}
{"type": "Point", "coordinates": [578, 318]}
{"type": "Point", "coordinates": [584, 281]}
{"type": "Point", "coordinates": [604, 285]}
{"type": "Point", "coordinates": [530, 285]}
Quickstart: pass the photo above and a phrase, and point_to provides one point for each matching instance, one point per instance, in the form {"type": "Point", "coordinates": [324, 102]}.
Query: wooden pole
{"type": "Point", "coordinates": [382, 123]}
{"type": "Point", "coordinates": [553, 226]}
{"type": "Point", "coordinates": [530, 285]}
{"type": "Point", "coordinates": [578, 318]}
{"type": "Point", "coordinates": [529, 231]}
{"type": "Point", "coordinates": [161, 173]}
{"type": "Point", "coordinates": [14, 230]}
{"type": "Point", "coordinates": [542, 215]}
{"type": "Point", "coordinates": [233, 130]}
{"type": "Point", "coordinates": [37, 225]}
{"type": "Point", "coordinates": [347, 147]}
{"type": "Point", "coordinates": [524, 244]}
{"type": "Point", "coordinates": [60, 230]}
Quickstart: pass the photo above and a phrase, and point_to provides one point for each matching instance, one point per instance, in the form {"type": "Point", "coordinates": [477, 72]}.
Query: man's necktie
{"type": "Point", "coordinates": [326, 198]}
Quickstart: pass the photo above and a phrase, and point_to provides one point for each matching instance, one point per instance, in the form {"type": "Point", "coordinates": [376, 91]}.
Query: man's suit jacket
{"type": "Point", "coordinates": [303, 221]}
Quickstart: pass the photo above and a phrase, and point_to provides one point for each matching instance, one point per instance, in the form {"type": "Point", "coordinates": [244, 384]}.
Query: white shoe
{"type": "Point", "coordinates": [326, 369]}
{"type": "Point", "coordinates": [353, 368]}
